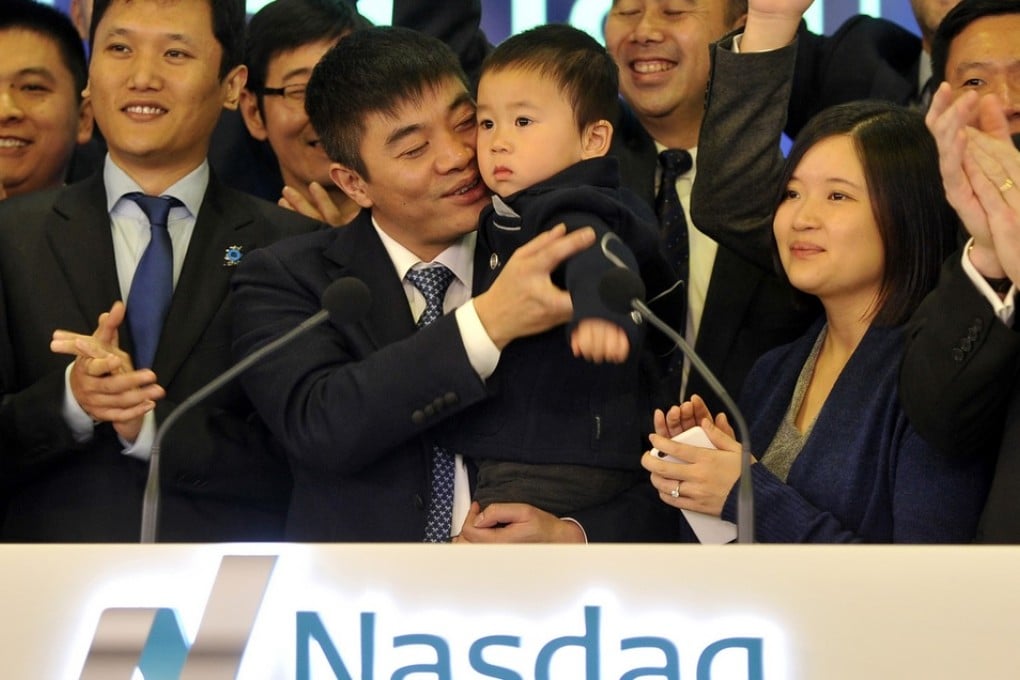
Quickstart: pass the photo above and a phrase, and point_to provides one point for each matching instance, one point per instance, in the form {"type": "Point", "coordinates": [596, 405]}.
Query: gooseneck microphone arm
{"type": "Point", "coordinates": [344, 300]}
{"type": "Point", "coordinates": [623, 291]}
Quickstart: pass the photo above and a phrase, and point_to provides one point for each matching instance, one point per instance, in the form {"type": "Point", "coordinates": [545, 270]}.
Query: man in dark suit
{"type": "Point", "coordinates": [361, 406]}
{"type": "Point", "coordinates": [77, 433]}
{"type": "Point", "coordinates": [737, 307]}
{"type": "Point", "coordinates": [960, 381]}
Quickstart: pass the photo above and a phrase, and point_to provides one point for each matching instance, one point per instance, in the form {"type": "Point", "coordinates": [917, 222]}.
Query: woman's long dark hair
{"type": "Point", "coordinates": [917, 225]}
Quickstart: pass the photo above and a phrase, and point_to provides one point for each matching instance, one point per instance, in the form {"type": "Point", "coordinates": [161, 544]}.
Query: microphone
{"type": "Point", "coordinates": [344, 301]}
{"type": "Point", "coordinates": [622, 290]}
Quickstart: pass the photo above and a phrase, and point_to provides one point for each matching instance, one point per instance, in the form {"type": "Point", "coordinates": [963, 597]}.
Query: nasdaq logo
{"type": "Point", "coordinates": [152, 640]}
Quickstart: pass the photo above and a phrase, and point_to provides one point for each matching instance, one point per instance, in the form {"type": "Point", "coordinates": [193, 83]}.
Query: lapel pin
{"type": "Point", "coordinates": [232, 256]}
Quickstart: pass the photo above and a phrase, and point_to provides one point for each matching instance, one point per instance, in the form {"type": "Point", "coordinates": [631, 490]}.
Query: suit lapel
{"type": "Point", "coordinates": [638, 157]}
{"type": "Point", "coordinates": [358, 251]}
{"type": "Point", "coordinates": [223, 221]}
{"type": "Point", "coordinates": [730, 291]}
{"type": "Point", "coordinates": [79, 234]}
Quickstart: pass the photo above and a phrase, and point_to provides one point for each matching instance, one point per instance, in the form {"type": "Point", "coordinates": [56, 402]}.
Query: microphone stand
{"type": "Point", "coordinates": [621, 288]}
{"type": "Point", "coordinates": [745, 492]}
{"type": "Point", "coordinates": [151, 499]}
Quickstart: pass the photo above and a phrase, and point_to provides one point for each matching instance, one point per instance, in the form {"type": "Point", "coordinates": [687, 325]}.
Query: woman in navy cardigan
{"type": "Point", "coordinates": [861, 224]}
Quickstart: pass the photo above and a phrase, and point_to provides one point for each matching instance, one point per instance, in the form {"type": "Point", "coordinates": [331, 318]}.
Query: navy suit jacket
{"type": "Point", "coordinates": [358, 405]}
{"type": "Point", "coordinates": [866, 58]}
{"type": "Point", "coordinates": [960, 385]}
{"type": "Point", "coordinates": [223, 477]}
{"type": "Point", "coordinates": [349, 401]}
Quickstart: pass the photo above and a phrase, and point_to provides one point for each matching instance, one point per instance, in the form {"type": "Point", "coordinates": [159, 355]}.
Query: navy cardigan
{"type": "Point", "coordinates": [864, 474]}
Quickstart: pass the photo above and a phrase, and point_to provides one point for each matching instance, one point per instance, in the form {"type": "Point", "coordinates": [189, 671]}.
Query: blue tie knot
{"type": "Point", "coordinates": [675, 162]}
{"type": "Point", "coordinates": [433, 283]}
{"type": "Point", "coordinates": [156, 208]}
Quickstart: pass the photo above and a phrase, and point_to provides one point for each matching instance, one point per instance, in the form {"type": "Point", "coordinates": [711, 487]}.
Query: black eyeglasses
{"type": "Point", "coordinates": [295, 92]}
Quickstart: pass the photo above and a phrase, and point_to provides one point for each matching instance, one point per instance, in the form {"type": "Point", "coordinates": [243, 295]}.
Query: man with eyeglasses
{"type": "Point", "coordinates": [284, 41]}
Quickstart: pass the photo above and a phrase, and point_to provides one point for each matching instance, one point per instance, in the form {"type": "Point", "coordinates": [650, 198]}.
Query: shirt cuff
{"type": "Point", "coordinates": [1005, 307]}
{"type": "Point", "coordinates": [482, 352]}
{"type": "Point", "coordinates": [580, 526]}
{"type": "Point", "coordinates": [142, 446]}
{"type": "Point", "coordinates": [79, 422]}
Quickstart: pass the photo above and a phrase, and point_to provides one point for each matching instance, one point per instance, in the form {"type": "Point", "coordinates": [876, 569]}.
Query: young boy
{"type": "Point", "coordinates": [565, 427]}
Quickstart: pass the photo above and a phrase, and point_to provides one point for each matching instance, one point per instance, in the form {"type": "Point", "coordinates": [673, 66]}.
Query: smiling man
{"type": "Point", "coordinates": [43, 116]}
{"type": "Point", "coordinates": [153, 229]}
{"type": "Point", "coordinates": [285, 39]}
{"type": "Point", "coordinates": [735, 309]}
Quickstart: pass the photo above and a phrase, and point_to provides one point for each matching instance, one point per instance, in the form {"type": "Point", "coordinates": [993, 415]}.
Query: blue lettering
{"type": "Point", "coordinates": [309, 627]}
{"type": "Point", "coordinates": [590, 643]}
{"type": "Point", "coordinates": [442, 665]}
{"type": "Point", "coordinates": [671, 671]}
{"type": "Point", "coordinates": [754, 656]}
{"type": "Point", "coordinates": [482, 666]}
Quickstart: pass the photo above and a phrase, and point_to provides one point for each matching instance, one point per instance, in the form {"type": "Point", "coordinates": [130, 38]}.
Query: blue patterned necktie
{"type": "Point", "coordinates": [152, 286]}
{"type": "Point", "coordinates": [433, 282]}
{"type": "Point", "coordinates": [672, 223]}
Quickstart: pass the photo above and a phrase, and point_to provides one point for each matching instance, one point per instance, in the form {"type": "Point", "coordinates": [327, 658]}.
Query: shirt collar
{"type": "Point", "coordinates": [924, 72]}
{"type": "Point", "coordinates": [659, 148]}
{"type": "Point", "coordinates": [458, 258]}
{"type": "Point", "coordinates": [189, 190]}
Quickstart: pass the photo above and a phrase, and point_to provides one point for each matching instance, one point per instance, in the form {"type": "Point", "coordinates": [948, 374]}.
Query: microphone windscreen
{"type": "Point", "coordinates": [347, 299]}
{"type": "Point", "coordinates": [618, 287]}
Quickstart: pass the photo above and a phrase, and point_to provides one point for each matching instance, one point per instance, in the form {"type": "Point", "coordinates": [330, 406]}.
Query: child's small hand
{"type": "Point", "coordinates": [598, 341]}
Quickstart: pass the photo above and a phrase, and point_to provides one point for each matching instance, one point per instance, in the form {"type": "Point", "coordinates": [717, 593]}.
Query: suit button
{"type": "Point", "coordinates": [978, 323]}
{"type": "Point", "coordinates": [974, 333]}
{"type": "Point", "coordinates": [429, 410]}
{"type": "Point", "coordinates": [958, 354]}
{"type": "Point", "coordinates": [438, 404]}
{"type": "Point", "coordinates": [419, 502]}
{"type": "Point", "coordinates": [451, 398]}
{"type": "Point", "coordinates": [418, 417]}
{"type": "Point", "coordinates": [966, 344]}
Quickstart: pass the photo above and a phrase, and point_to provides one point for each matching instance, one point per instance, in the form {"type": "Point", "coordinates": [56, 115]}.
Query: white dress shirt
{"type": "Point", "coordinates": [482, 353]}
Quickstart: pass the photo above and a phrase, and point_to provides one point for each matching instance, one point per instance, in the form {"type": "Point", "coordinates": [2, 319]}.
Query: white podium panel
{"type": "Point", "coordinates": [597, 612]}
